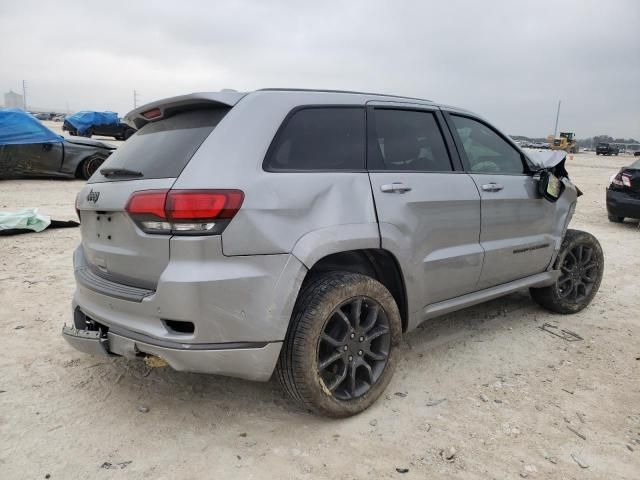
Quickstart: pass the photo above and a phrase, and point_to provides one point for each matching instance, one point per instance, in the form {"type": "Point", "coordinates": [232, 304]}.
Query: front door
{"type": "Point", "coordinates": [34, 159]}
{"type": "Point", "coordinates": [517, 224]}
{"type": "Point", "coordinates": [428, 211]}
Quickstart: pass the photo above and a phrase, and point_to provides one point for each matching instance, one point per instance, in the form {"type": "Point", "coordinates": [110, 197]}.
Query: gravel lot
{"type": "Point", "coordinates": [501, 397]}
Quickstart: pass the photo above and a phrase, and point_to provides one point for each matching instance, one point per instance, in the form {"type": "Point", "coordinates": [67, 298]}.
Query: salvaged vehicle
{"type": "Point", "coordinates": [106, 124]}
{"type": "Point", "coordinates": [607, 149]}
{"type": "Point", "coordinates": [623, 194]}
{"type": "Point", "coordinates": [304, 232]}
{"type": "Point", "coordinates": [29, 149]}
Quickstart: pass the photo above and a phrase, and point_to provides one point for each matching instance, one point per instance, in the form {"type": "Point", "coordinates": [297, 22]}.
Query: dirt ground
{"type": "Point", "coordinates": [512, 400]}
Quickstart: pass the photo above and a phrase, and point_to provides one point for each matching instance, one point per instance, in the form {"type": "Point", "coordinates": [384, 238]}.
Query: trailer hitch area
{"type": "Point", "coordinates": [93, 342]}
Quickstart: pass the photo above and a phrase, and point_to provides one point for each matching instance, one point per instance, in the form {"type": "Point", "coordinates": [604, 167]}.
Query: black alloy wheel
{"type": "Point", "coordinates": [354, 348]}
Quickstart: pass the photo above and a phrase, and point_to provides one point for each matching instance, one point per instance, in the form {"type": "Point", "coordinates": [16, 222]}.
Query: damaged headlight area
{"type": "Point", "coordinates": [550, 166]}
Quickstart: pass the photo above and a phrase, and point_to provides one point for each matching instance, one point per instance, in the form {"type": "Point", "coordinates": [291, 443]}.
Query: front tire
{"type": "Point", "coordinates": [89, 166]}
{"type": "Point", "coordinates": [615, 219]}
{"type": "Point", "coordinates": [340, 351]}
{"type": "Point", "coordinates": [581, 263]}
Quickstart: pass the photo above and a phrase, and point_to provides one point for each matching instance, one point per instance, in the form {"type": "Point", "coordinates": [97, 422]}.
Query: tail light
{"type": "Point", "coordinates": [622, 180]}
{"type": "Point", "coordinates": [184, 212]}
{"type": "Point", "coordinates": [617, 179]}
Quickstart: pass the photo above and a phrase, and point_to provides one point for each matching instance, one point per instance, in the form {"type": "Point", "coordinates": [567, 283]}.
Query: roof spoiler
{"type": "Point", "coordinates": [170, 106]}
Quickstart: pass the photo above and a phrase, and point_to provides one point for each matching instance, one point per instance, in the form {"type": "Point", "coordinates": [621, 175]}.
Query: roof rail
{"type": "Point", "coordinates": [320, 90]}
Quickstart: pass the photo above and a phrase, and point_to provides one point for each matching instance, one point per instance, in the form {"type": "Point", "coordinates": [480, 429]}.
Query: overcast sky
{"type": "Point", "coordinates": [510, 61]}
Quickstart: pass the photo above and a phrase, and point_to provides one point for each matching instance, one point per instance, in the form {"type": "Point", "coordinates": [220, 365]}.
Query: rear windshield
{"type": "Point", "coordinates": [163, 148]}
{"type": "Point", "coordinates": [603, 144]}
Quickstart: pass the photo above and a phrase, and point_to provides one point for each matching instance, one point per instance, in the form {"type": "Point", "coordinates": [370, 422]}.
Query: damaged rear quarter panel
{"type": "Point", "coordinates": [283, 207]}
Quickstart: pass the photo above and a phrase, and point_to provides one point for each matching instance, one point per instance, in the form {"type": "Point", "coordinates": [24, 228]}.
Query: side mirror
{"type": "Point", "coordinates": [550, 187]}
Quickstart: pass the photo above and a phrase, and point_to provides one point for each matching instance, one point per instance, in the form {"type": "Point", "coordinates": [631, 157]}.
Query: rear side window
{"type": "Point", "coordinates": [486, 151]}
{"type": "Point", "coordinates": [163, 148]}
{"type": "Point", "coordinates": [319, 138]}
{"type": "Point", "coordinates": [407, 140]}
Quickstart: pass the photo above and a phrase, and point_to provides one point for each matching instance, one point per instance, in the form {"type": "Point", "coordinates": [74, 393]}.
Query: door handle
{"type": "Point", "coordinates": [492, 187]}
{"type": "Point", "coordinates": [395, 187]}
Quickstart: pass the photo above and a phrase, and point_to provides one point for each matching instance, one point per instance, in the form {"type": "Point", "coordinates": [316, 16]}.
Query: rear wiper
{"type": "Point", "coordinates": [120, 172]}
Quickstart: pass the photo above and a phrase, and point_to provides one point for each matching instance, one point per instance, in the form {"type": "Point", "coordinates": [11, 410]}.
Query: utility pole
{"type": "Point", "coordinates": [555, 129]}
{"type": "Point", "coordinates": [135, 98]}
{"type": "Point", "coordinates": [24, 94]}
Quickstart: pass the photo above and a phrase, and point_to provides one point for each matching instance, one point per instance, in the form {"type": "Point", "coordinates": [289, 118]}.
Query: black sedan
{"type": "Point", "coordinates": [623, 194]}
{"type": "Point", "coordinates": [29, 149]}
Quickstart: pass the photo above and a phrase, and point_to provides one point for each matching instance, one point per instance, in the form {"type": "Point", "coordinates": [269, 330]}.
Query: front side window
{"type": "Point", "coordinates": [320, 138]}
{"type": "Point", "coordinates": [486, 151]}
{"type": "Point", "coordinates": [407, 140]}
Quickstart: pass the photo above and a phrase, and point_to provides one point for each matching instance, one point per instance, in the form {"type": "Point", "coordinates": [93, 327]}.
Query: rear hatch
{"type": "Point", "coordinates": [114, 246]}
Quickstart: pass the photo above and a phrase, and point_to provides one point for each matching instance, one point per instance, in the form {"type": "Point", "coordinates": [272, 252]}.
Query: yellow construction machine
{"type": "Point", "coordinates": [566, 141]}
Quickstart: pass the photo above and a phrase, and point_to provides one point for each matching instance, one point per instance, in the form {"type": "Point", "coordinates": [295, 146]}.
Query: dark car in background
{"type": "Point", "coordinates": [29, 149]}
{"type": "Point", "coordinates": [106, 124]}
{"type": "Point", "coordinates": [623, 194]}
{"type": "Point", "coordinates": [607, 149]}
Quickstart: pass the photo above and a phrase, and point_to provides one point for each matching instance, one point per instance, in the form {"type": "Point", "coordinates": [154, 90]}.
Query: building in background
{"type": "Point", "coordinates": [13, 100]}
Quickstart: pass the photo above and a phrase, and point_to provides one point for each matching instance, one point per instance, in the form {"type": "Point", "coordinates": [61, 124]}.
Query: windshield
{"type": "Point", "coordinates": [161, 149]}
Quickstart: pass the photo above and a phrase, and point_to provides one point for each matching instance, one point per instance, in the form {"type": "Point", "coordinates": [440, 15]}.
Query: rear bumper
{"type": "Point", "coordinates": [237, 310]}
{"type": "Point", "coordinates": [249, 361]}
{"type": "Point", "coordinates": [621, 204]}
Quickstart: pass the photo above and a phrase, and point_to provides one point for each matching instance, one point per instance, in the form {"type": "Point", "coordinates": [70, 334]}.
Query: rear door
{"type": "Point", "coordinates": [428, 208]}
{"type": "Point", "coordinates": [114, 247]}
{"type": "Point", "coordinates": [517, 224]}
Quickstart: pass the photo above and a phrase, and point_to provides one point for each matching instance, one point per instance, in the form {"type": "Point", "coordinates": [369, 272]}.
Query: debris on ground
{"type": "Point", "coordinates": [373, 422]}
{"type": "Point", "coordinates": [567, 335]}
{"type": "Point", "coordinates": [400, 394]}
{"type": "Point", "coordinates": [143, 409]}
{"type": "Point", "coordinates": [402, 470]}
{"type": "Point", "coordinates": [433, 403]}
{"type": "Point", "coordinates": [579, 461]}
{"type": "Point", "coordinates": [484, 398]}
{"type": "Point", "coordinates": [571, 429]}
{"type": "Point", "coordinates": [154, 362]}
{"type": "Point", "coordinates": [449, 454]}
{"type": "Point", "coordinates": [115, 466]}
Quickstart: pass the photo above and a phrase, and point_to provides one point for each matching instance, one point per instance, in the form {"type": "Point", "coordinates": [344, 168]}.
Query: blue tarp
{"type": "Point", "coordinates": [84, 120]}
{"type": "Point", "coordinates": [18, 127]}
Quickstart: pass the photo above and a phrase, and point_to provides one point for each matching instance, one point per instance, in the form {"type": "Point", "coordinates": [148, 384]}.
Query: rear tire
{"type": "Point", "coordinates": [341, 348]}
{"type": "Point", "coordinates": [614, 219]}
{"type": "Point", "coordinates": [581, 263]}
{"type": "Point", "coordinates": [128, 133]}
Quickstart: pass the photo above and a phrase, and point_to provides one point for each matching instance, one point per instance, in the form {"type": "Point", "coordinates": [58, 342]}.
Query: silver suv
{"type": "Point", "coordinates": [304, 232]}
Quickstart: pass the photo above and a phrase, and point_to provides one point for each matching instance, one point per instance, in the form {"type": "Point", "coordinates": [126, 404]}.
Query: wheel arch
{"type": "Point", "coordinates": [376, 263]}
